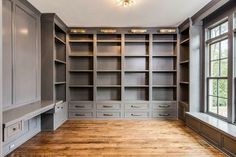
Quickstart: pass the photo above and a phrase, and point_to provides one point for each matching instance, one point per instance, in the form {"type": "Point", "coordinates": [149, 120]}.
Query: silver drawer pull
{"type": "Point", "coordinates": [80, 114]}
{"type": "Point", "coordinates": [107, 115]}
{"type": "Point", "coordinates": [133, 106]}
{"type": "Point", "coordinates": [164, 106]}
{"type": "Point", "coordinates": [105, 106]}
{"type": "Point", "coordinates": [79, 106]}
{"type": "Point", "coordinates": [137, 115]}
{"type": "Point", "coordinates": [164, 115]}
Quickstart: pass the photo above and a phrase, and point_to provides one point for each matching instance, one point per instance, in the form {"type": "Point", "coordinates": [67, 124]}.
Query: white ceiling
{"type": "Point", "coordinates": [102, 13]}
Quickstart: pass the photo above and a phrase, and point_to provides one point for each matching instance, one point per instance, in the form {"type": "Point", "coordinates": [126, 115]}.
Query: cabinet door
{"type": "Point", "coordinates": [7, 53]}
{"type": "Point", "coordinates": [25, 56]}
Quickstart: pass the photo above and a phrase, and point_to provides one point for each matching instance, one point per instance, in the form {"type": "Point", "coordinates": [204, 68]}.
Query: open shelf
{"type": "Point", "coordinates": [136, 38]}
{"type": "Point", "coordinates": [162, 38]}
{"type": "Point", "coordinates": [164, 79]}
{"type": "Point", "coordinates": [80, 38]}
{"type": "Point", "coordinates": [108, 38]}
{"type": "Point", "coordinates": [136, 93]}
{"type": "Point", "coordinates": [60, 51]}
{"type": "Point", "coordinates": [81, 79]}
{"type": "Point", "coordinates": [108, 94]}
{"type": "Point", "coordinates": [164, 94]}
{"type": "Point", "coordinates": [81, 63]}
{"type": "Point", "coordinates": [136, 49]}
{"type": "Point", "coordinates": [138, 79]}
{"type": "Point", "coordinates": [60, 34]}
{"type": "Point", "coordinates": [60, 70]}
{"type": "Point", "coordinates": [81, 94]}
{"type": "Point", "coordinates": [108, 63]}
{"type": "Point", "coordinates": [164, 64]}
{"type": "Point", "coordinates": [109, 49]}
{"type": "Point", "coordinates": [136, 64]}
{"type": "Point", "coordinates": [85, 48]}
{"type": "Point", "coordinates": [60, 92]}
{"type": "Point", "coordinates": [164, 49]}
{"type": "Point", "coordinates": [111, 78]}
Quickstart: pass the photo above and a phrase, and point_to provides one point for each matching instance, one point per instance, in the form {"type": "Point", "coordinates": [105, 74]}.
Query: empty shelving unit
{"type": "Point", "coordinates": [121, 74]}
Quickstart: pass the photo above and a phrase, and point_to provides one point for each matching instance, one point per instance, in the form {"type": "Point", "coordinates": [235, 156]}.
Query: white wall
{"type": "Point", "coordinates": [1, 78]}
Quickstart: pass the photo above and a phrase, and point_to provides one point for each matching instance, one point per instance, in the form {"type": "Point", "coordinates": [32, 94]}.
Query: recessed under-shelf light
{"type": "Point", "coordinates": [126, 3]}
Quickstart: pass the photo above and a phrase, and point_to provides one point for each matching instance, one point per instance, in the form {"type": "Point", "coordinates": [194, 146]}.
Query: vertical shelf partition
{"type": "Point", "coordinates": [110, 74]}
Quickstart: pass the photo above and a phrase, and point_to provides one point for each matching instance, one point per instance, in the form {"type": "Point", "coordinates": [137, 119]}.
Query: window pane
{"type": "Point", "coordinates": [223, 88]}
{"type": "Point", "coordinates": [213, 87]}
{"type": "Point", "coordinates": [215, 68]}
{"type": "Point", "coordinates": [223, 107]}
{"type": "Point", "coordinates": [224, 28]}
{"type": "Point", "coordinates": [213, 104]}
{"type": "Point", "coordinates": [224, 49]}
{"type": "Point", "coordinates": [215, 53]}
{"type": "Point", "coordinates": [224, 68]}
{"type": "Point", "coordinates": [215, 32]}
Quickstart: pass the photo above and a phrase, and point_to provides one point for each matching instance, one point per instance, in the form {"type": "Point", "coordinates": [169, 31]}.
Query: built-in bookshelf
{"type": "Point", "coordinates": [184, 60]}
{"type": "Point", "coordinates": [54, 58]}
{"type": "Point", "coordinates": [110, 71]}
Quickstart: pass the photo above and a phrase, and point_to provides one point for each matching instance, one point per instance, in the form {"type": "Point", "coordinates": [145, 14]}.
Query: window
{"type": "Point", "coordinates": [217, 77]}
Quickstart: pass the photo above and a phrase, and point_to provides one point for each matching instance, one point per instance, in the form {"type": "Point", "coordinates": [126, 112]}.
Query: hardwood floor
{"type": "Point", "coordinates": [117, 139]}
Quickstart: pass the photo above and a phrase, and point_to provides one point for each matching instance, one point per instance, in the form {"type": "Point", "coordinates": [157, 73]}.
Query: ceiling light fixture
{"type": "Point", "coordinates": [126, 3]}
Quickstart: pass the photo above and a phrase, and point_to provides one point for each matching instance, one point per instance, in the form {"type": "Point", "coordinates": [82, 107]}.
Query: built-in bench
{"type": "Point", "coordinates": [218, 132]}
{"type": "Point", "coordinates": [22, 123]}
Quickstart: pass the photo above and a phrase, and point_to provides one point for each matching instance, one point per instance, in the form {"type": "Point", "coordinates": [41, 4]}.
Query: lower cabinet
{"type": "Point", "coordinates": [18, 133]}
{"type": "Point", "coordinates": [122, 110]}
{"type": "Point", "coordinates": [54, 118]}
{"type": "Point", "coordinates": [216, 137]}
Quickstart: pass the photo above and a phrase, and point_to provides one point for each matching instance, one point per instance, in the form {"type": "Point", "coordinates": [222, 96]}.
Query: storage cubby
{"type": "Point", "coordinates": [165, 38]}
{"type": "Point", "coordinates": [164, 49]}
{"type": "Point", "coordinates": [81, 94]}
{"type": "Point", "coordinates": [184, 93]}
{"type": "Point", "coordinates": [81, 78]}
{"type": "Point", "coordinates": [108, 94]}
{"type": "Point", "coordinates": [136, 64]}
{"type": "Point", "coordinates": [164, 79]}
{"type": "Point", "coordinates": [164, 94]}
{"type": "Point", "coordinates": [108, 79]}
{"type": "Point", "coordinates": [132, 79]}
{"type": "Point", "coordinates": [60, 72]}
{"type": "Point", "coordinates": [109, 49]}
{"type": "Point", "coordinates": [81, 63]}
{"type": "Point", "coordinates": [184, 73]}
{"type": "Point", "coordinates": [60, 92]}
{"type": "Point", "coordinates": [108, 37]}
{"type": "Point", "coordinates": [136, 94]}
{"type": "Point", "coordinates": [81, 37]}
{"type": "Point", "coordinates": [60, 51]}
{"type": "Point", "coordinates": [136, 37]}
{"type": "Point", "coordinates": [108, 63]}
{"type": "Point", "coordinates": [59, 33]}
{"type": "Point", "coordinates": [164, 63]}
{"type": "Point", "coordinates": [81, 48]}
{"type": "Point", "coordinates": [136, 49]}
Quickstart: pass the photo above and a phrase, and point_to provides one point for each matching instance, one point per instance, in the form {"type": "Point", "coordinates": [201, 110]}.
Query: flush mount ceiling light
{"type": "Point", "coordinates": [126, 3]}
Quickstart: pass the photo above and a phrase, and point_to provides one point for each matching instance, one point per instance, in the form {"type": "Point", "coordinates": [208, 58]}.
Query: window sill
{"type": "Point", "coordinates": [220, 125]}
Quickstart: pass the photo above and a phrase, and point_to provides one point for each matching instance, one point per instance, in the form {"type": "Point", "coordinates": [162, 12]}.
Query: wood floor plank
{"type": "Point", "coordinates": [118, 138]}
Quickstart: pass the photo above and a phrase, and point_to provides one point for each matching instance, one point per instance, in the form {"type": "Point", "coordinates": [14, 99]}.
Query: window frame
{"type": "Point", "coordinates": [208, 42]}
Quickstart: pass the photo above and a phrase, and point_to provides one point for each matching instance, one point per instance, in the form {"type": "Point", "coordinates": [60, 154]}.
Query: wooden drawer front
{"type": "Point", "coordinates": [136, 106]}
{"type": "Point", "coordinates": [164, 114]}
{"type": "Point", "coordinates": [13, 130]}
{"type": "Point", "coordinates": [193, 123]}
{"type": "Point", "coordinates": [108, 106]}
{"type": "Point", "coordinates": [108, 115]}
{"type": "Point", "coordinates": [81, 106]}
{"type": "Point", "coordinates": [165, 105]}
{"type": "Point", "coordinates": [81, 114]}
{"type": "Point", "coordinates": [210, 134]}
{"type": "Point", "coordinates": [229, 145]}
{"type": "Point", "coordinates": [137, 114]}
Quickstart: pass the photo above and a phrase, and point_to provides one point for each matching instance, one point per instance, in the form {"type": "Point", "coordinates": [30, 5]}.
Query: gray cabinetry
{"type": "Point", "coordinates": [116, 73]}
{"type": "Point", "coordinates": [21, 53]}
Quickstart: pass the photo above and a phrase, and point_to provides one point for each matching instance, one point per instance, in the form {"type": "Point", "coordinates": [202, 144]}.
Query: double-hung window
{"type": "Point", "coordinates": [217, 70]}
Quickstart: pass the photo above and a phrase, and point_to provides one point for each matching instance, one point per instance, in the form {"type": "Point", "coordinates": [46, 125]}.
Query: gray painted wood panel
{"type": "Point", "coordinates": [1, 76]}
